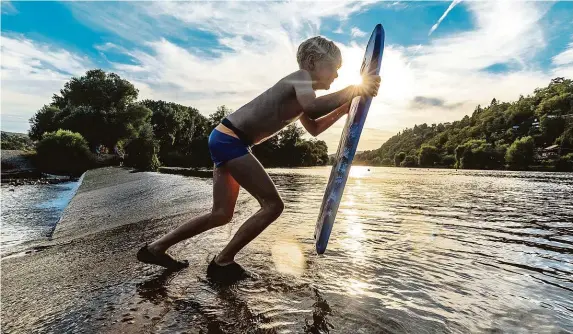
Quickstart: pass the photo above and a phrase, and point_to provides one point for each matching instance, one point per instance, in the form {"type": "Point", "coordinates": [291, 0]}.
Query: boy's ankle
{"type": "Point", "coordinates": [221, 261]}
{"type": "Point", "coordinates": [155, 248]}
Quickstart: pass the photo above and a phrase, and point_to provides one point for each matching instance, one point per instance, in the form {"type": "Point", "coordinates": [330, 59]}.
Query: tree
{"type": "Point", "coordinates": [398, 158]}
{"type": "Point", "coordinates": [97, 89]}
{"type": "Point", "coordinates": [216, 117]}
{"type": "Point", "coordinates": [521, 153]}
{"type": "Point", "coordinates": [478, 154]}
{"type": "Point", "coordinates": [540, 115]}
{"type": "Point", "coordinates": [99, 105]}
{"type": "Point", "coordinates": [45, 120]}
{"type": "Point", "coordinates": [409, 161]}
{"type": "Point", "coordinates": [16, 141]}
{"type": "Point", "coordinates": [141, 152]}
{"type": "Point", "coordinates": [428, 156]}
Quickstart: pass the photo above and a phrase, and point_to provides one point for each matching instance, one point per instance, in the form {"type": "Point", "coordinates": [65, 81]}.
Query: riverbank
{"type": "Point", "coordinates": [91, 255]}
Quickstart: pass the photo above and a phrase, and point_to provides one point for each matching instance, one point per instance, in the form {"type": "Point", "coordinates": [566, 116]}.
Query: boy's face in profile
{"type": "Point", "coordinates": [324, 72]}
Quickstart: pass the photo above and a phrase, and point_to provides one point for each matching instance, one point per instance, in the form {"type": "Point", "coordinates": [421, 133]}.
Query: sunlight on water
{"type": "Point", "coordinates": [288, 257]}
{"type": "Point", "coordinates": [358, 171]}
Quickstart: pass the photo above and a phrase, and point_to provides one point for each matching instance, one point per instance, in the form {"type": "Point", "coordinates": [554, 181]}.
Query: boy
{"type": "Point", "coordinates": [291, 98]}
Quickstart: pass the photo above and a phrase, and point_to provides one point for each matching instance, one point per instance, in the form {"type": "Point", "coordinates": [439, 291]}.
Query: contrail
{"type": "Point", "coordinates": [452, 5]}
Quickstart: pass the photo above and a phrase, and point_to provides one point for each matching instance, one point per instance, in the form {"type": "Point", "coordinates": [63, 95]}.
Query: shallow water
{"type": "Point", "coordinates": [30, 212]}
{"type": "Point", "coordinates": [413, 251]}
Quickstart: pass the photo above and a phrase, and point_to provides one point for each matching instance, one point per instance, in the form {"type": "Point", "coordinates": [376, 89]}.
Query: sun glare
{"type": "Point", "coordinates": [349, 76]}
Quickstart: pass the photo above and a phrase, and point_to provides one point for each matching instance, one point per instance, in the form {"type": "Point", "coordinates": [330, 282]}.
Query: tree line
{"type": "Point", "coordinates": [534, 132]}
{"type": "Point", "coordinates": [101, 111]}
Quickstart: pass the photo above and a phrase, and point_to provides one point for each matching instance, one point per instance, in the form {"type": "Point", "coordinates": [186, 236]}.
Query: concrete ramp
{"type": "Point", "coordinates": [112, 197]}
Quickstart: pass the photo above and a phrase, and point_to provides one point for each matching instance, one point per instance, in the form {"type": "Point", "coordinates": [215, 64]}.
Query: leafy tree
{"type": "Point", "coordinates": [141, 152]}
{"type": "Point", "coordinates": [16, 141]}
{"type": "Point", "coordinates": [97, 89]}
{"type": "Point", "coordinates": [216, 117]}
{"type": "Point", "coordinates": [521, 153]}
{"type": "Point", "coordinates": [409, 161]}
{"type": "Point", "coordinates": [428, 156]}
{"type": "Point", "coordinates": [99, 105]}
{"type": "Point", "coordinates": [45, 120]}
{"type": "Point", "coordinates": [398, 158]}
{"type": "Point", "coordinates": [483, 138]}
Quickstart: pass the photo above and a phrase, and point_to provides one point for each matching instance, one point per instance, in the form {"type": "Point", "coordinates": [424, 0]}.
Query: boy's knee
{"type": "Point", "coordinates": [221, 217]}
{"type": "Point", "coordinates": [275, 207]}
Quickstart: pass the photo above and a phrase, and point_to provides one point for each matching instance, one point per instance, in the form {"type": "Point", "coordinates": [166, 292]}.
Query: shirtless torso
{"type": "Point", "coordinates": [271, 111]}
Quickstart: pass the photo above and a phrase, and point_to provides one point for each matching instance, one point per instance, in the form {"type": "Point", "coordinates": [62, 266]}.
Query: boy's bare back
{"type": "Point", "coordinates": [273, 110]}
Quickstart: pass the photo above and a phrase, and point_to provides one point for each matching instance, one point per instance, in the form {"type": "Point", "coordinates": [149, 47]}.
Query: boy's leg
{"type": "Point", "coordinates": [225, 192]}
{"type": "Point", "coordinates": [250, 174]}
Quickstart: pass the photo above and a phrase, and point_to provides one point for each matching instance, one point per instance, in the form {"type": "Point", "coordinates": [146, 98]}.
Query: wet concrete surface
{"type": "Point", "coordinates": [86, 279]}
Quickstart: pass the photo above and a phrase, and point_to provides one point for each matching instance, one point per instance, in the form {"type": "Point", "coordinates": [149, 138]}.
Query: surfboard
{"type": "Point", "coordinates": [348, 143]}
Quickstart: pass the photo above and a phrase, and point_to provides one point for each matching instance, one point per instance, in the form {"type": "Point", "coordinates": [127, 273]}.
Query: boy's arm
{"type": "Point", "coordinates": [316, 107]}
{"type": "Point", "coordinates": [316, 127]}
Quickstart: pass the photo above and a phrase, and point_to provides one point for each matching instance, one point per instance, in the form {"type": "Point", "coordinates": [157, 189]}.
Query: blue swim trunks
{"type": "Point", "coordinates": [224, 147]}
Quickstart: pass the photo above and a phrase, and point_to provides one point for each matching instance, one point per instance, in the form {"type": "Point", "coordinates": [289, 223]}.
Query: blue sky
{"type": "Point", "coordinates": [441, 58]}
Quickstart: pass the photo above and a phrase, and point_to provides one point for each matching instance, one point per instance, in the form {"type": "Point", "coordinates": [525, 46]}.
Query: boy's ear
{"type": "Point", "coordinates": [311, 63]}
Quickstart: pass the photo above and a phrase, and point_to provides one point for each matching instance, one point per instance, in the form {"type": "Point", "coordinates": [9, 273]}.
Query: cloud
{"type": "Point", "coordinates": [564, 63]}
{"type": "Point", "coordinates": [422, 102]}
{"type": "Point", "coordinates": [452, 5]}
{"type": "Point", "coordinates": [31, 73]}
{"type": "Point", "coordinates": [355, 32]}
{"type": "Point", "coordinates": [257, 46]}
{"type": "Point", "coordinates": [8, 8]}
{"type": "Point", "coordinates": [565, 57]}
{"type": "Point", "coordinates": [251, 46]}
{"type": "Point", "coordinates": [445, 79]}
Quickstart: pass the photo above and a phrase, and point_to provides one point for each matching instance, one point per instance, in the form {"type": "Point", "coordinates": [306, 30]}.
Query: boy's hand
{"type": "Point", "coordinates": [370, 85]}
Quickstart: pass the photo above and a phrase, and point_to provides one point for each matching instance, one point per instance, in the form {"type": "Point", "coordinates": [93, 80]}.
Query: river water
{"type": "Point", "coordinates": [30, 212]}
{"type": "Point", "coordinates": [412, 251]}
{"type": "Point", "coordinates": [420, 251]}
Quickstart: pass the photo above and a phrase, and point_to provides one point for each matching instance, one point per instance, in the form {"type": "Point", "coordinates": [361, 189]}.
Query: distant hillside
{"type": "Point", "coordinates": [16, 141]}
{"type": "Point", "coordinates": [534, 130]}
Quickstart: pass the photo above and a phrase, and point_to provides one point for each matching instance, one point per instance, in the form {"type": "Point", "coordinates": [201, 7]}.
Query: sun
{"type": "Point", "coordinates": [349, 72]}
{"type": "Point", "coordinates": [348, 75]}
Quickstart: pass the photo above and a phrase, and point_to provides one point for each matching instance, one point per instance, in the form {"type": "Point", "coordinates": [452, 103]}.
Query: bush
{"type": "Point", "coordinates": [141, 152]}
{"type": "Point", "coordinates": [409, 161]}
{"type": "Point", "coordinates": [448, 160]}
{"type": "Point", "coordinates": [428, 156]}
{"type": "Point", "coordinates": [520, 154]}
{"type": "Point", "coordinates": [479, 154]}
{"type": "Point", "coordinates": [387, 162]}
{"type": "Point", "coordinates": [564, 163]}
{"type": "Point", "coordinates": [398, 158]}
{"type": "Point", "coordinates": [16, 141]}
{"type": "Point", "coordinates": [64, 152]}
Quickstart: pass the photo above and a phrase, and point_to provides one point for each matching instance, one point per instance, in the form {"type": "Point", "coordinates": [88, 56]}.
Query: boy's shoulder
{"type": "Point", "coordinates": [297, 77]}
{"type": "Point", "coordinates": [299, 74]}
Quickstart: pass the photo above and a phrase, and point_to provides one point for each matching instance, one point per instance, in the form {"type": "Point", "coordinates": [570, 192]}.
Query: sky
{"type": "Point", "coordinates": [441, 59]}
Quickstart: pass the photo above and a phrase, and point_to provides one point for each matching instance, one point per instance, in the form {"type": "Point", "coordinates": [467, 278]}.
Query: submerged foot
{"type": "Point", "coordinates": [227, 273]}
{"type": "Point", "coordinates": [145, 255]}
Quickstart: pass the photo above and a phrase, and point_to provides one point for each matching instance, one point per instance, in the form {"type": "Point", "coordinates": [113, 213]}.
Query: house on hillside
{"type": "Point", "coordinates": [550, 152]}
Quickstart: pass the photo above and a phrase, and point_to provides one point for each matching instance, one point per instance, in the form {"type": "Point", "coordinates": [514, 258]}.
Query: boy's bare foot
{"type": "Point", "coordinates": [146, 255]}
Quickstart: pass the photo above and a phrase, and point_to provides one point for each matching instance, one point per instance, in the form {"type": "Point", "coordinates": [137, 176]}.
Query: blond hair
{"type": "Point", "coordinates": [317, 48]}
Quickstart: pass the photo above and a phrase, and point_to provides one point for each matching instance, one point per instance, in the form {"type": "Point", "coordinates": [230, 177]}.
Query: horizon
{"type": "Point", "coordinates": [441, 59]}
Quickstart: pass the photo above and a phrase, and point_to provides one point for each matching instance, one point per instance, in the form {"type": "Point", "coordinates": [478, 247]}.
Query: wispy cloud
{"type": "Point", "coordinates": [452, 5]}
{"type": "Point", "coordinates": [31, 73]}
{"type": "Point", "coordinates": [355, 32]}
{"type": "Point", "coordinates": [565, 57]}
{"type": "Point", "coordinates": [8, 8]}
